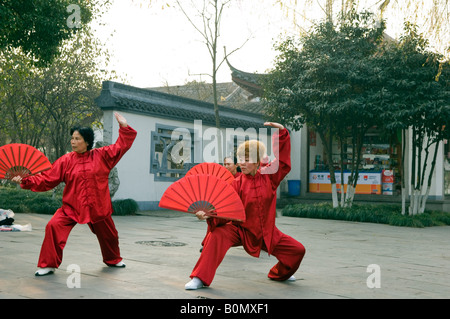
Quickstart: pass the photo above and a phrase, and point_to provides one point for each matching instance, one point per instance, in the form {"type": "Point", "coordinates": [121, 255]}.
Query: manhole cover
{"type": "Point", "coordinates": [161, 243]}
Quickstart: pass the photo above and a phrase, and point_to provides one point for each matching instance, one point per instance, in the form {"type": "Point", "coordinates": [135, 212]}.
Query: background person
{"type": "Point", "coordinates": [231, 164]}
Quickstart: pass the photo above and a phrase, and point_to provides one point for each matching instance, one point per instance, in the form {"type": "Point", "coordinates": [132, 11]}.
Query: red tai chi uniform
{"type": "Point", "coordinates": [258, 232]}
{"type": "Point", "coordinates": [86, 198]}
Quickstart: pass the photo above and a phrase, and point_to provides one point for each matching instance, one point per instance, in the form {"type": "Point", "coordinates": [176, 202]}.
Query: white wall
{"type": "Point", "coordinates": [136, 181]}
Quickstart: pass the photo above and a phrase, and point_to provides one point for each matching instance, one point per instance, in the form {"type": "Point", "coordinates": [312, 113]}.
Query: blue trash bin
{"type": "Point", "coordinates": [294, 187]}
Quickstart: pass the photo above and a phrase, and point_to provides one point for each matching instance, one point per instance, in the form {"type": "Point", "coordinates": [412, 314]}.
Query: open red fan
{"type": "Point", "coordinates": [21, 160]}
{"type": "Point", "coordinates": [205, 193]}
{"type": "Point", "coordinates": [213, 169]}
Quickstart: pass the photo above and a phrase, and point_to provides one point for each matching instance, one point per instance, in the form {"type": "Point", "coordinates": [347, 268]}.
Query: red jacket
{"type": "Point", "coordinates": [237, 174]}
{"type": "Point", "coordinates": [258, 194]}
{"type": "Point", "coordinates": [86, 194]}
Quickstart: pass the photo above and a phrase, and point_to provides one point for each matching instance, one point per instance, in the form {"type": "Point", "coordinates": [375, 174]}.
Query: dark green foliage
{"type": "Point", "coordinates": [39, 26]}
{"type": "Point", "coordinates": [125, 207]}
{"type": "Point", "coordinates": [381, 214]}
{"type": "Point", "coordinates": [344, 79]}
{"type": "Point", "coordinates": [330, 72]}
{"type": "Point", "coordinates": [22, 201]}
{"type": "Point", "coordinates": [330, 80]}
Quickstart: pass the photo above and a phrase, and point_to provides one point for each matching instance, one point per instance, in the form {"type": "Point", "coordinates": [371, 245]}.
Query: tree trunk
{"type": "Point", "coordinates": [327, 143]}
{"type": "Point", "coordinates": [403, 172]}
{"type": "Point", "coordinates": [342, 155]}
{"type": "Point", "coordinates": [430, 178]}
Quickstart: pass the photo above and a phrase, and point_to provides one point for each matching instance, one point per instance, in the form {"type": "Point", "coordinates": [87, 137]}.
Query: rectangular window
{"type": "Point", "coordinates": [169, 160]}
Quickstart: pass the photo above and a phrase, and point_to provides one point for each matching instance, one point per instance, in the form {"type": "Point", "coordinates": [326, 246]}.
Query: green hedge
{"type": "Point", "coordinates": [377, 213]}
{"type": "Point", "coordinates": [125, 207]}
{"type": "Point", "coordinates": [24, 201]}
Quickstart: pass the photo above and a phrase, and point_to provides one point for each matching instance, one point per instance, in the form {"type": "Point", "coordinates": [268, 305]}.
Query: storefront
{"type": "Point", "coordinates": [447, 167]}
{"type": "Point", "coordinates": [379, 167]}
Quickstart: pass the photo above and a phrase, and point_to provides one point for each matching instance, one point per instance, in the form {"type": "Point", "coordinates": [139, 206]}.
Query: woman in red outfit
{"type": "Point", "coordinates": [257, 189]}
{"type": "Point", "coordinates": [86, 198]}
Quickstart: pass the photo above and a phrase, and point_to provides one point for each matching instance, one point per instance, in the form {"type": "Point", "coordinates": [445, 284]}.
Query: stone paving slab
{"type": "Point", "coordinates": [161, 248]}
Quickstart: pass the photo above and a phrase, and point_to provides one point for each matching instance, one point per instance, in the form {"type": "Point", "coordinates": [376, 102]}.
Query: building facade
{"type": "Point", "coordinates": [175, 133]}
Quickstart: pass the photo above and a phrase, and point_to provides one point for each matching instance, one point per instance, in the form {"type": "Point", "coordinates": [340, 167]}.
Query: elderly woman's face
{"type": "Point", "coordinates": [247, 166]}
{"type": "Point", "coordinates": [78, 143]}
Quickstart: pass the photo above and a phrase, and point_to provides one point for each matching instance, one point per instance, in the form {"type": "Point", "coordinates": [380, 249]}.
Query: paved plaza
{"type": "Point", "coordinates": [344, 260]}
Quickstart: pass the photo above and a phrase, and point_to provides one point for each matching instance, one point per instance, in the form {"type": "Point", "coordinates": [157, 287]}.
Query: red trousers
{"type": "Point", "coordinates": [288, 251]}
{"type": "Point", "coordinates": [58, 229]}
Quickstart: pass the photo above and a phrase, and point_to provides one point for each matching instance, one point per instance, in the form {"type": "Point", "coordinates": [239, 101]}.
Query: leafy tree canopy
{"type": "Point", "coordinates": [329, 72]}
{"type": "Point", "coordinates": [38, 27]}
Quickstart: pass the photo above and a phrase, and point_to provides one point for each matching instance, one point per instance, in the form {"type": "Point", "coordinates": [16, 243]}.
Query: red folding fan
{"type": "Point", "coordinates": [213, 169]}
{"type": "Point", "coordinates": [21, 160]}
{"type": "Point", "coordinates": [205, 193]}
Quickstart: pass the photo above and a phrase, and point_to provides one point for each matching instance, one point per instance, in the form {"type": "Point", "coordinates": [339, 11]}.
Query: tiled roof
{"type": "Point", "coordinates": [250, 82]}
{"type": "Point", "coordinates": [230, 95]}
{"type": "Point", "coordinates": [119, 96]}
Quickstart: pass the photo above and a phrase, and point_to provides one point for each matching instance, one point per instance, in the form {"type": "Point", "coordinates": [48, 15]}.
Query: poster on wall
{"type": "Point", "coordinates": [368, 182]}
{"type": "Point", "coordinates": [387, 181]}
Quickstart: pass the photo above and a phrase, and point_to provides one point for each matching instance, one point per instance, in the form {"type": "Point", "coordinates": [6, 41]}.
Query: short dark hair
{"type": "Point", "coordinates": [233, 158]}
{"type": "Point", "coordinates": [87, 133]}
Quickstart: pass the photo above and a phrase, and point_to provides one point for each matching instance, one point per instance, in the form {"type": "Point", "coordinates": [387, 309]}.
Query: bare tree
{"type": "Point", "coordinates": [211, 16]}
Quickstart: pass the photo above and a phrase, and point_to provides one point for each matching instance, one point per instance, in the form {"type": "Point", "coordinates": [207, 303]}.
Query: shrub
{"type": "Point", "coordinates": [383, 214]}
{"type": "Point", "coordinates": [125, 207]}
{"type": "Point", "coordinates": [21, 201]}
